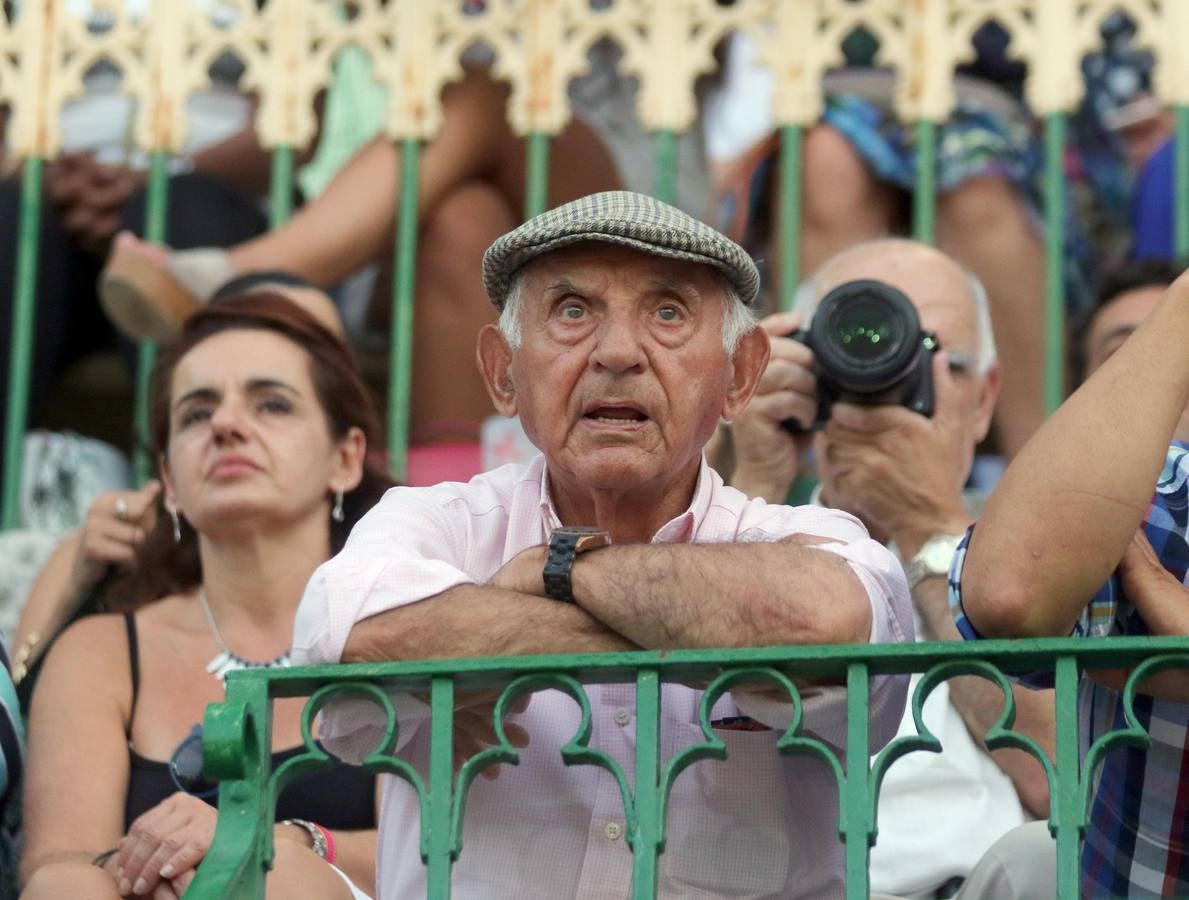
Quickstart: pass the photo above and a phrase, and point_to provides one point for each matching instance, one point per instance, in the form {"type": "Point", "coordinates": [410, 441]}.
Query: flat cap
{"type": "Point", "coordinates": [624, 218]}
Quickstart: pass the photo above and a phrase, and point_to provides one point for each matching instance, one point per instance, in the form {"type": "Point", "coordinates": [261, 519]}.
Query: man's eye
{"type": "Point", "coordinates": [573, 312]}
{"type": "Point", "coordinates": [669, 314]}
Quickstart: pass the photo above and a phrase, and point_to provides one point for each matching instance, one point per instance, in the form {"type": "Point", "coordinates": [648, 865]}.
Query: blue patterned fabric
{"type": "Point", "coordinates": [1137, 842]}
{"type": "Point", "coordinates": [12, 739]}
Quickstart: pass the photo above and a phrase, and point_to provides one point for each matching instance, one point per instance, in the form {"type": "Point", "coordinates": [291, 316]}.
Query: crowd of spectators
{"type": "Point", "coordinates": [677, 418]}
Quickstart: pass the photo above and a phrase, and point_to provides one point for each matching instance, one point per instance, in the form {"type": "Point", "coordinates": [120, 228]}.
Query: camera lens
{"type": "Point", "coordinates": [863, 330]}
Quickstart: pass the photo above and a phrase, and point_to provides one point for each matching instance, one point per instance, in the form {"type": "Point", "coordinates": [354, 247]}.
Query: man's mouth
{"type": "Point", "coordinates": [615, 415]}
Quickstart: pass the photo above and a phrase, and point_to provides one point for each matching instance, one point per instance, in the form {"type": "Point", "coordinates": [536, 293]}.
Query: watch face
{"type": "Point", "coordinates": [939, 557]}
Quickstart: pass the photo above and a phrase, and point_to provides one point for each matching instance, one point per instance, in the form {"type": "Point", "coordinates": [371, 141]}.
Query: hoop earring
{"type": "Point", "coordinates": [337, 512]}
{"type": "Point", "coordinates": [177, 526]}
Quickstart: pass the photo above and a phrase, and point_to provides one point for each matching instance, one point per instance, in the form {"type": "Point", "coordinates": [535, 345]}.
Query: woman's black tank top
{"type": "Point", "coordinates": [340, 798]}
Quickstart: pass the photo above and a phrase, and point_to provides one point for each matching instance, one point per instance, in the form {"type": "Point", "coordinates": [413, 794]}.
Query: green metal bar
{"type": "Point", "coordinates": [400, 367]}
{"type": "Point", "coordinates": [854, 805]}
{"type": "Point", "coordinates": [20, 362]}
{"type": "Point", "coordinates": [441, 783]}
{"type": "Point", "coordinates": [156, 224]}
{"type": "Point", "coordinates": [646, 836]}
{"type": "Point", "coordinates": [1067, 811]}
{"type": "Point", "coordinates": [1054, 386]}
{"type": "Point", "coordinates": [536, 191]}
{"type": "Point", "coordinates": [924, 196]}
{"type": "Point", "coordinates": [791, 137]}
{"type": "Point", "coordinates": [666, 166]}
{"type": "Point", "coordinates": [1181, 158]}
{"type": "Point", "coordinates": [280, 189]}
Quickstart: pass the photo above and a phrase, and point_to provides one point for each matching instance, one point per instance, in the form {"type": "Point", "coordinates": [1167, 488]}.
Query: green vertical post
{"type": "Point", "coordinates": [1181, 161]}
{"type": "Point", "coordinates": [280, 188]}
{"type": "Point", "coordinates": [646, 830]}
{"type": "Point", "coordinates": [441, 786]}
{"type": "Point", "coordinates": [791, 137]}
{"type": "Point", "coordinates": [156, 222]}
{"type": "Point", "coordinates": [20, 362]}
{"type": "Point", "coordinates": [536, 190]}
{"type": "Point", "coordinates": [1054, 176]}
{"type": "Point", "coordinates": [854, 805]}
{"type": "Point", "coordinates": [924, 196]}
{"type": "Point", "coordinates": [400, 366]}
{"type": "Point", "coordinates": [666, 166]}
{"type": "Point", "coordinates": [1066, 809]}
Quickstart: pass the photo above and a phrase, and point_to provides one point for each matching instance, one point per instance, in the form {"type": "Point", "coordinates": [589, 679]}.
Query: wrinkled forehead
{"type": "Point", "coordinates": [937, 287]}
{"type": "Point", "coordinates": [598, 267]}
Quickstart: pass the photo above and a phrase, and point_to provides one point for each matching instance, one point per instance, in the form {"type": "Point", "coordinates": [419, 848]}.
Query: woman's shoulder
{"type": "Point", "coordinates": [92, 641]}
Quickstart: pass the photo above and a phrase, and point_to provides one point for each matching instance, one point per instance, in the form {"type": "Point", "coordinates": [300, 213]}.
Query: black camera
{"type": "Point", "coordinates": [869, 348]}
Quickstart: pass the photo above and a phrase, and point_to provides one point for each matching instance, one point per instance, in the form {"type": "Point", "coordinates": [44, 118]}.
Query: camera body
{"type": "Point", "coordinates": [869, 348]}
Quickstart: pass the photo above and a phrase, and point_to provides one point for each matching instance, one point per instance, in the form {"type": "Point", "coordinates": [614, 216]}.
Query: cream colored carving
{"type": "Point", "coordinates": [35, 85]}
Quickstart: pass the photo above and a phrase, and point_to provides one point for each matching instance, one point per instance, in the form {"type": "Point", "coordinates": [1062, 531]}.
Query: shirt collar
{"type": "Point", "coordinates": [678, 530]}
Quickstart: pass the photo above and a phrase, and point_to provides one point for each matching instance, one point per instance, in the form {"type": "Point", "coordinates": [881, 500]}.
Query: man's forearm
{"type": "Point", "coordinates": [1059, 521]}
{"type": "Point", "coordinates": [480, 620]}
{"type": "Point", "coordinates": [723, 595]}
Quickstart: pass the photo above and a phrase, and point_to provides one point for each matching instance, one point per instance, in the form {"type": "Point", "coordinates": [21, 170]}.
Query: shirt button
{"type": "Point", "coordinates": [612, 831]}
{"type": "Point", "coordinates": [622, 716]}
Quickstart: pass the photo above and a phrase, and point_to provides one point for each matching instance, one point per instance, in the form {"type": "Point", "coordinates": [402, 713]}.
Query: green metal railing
{"type": "Point", "coordinates": [236, 738]}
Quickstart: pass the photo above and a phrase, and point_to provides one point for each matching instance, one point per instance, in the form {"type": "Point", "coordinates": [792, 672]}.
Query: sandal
{"type": "Point", "coordinates": [148, 302]}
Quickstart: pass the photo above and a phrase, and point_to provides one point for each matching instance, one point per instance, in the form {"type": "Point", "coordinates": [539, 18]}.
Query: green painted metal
{"type": "Point", "coordinates": [1181, 182]}
{"type": "Point", "coordinates": [400, 367]}
{"type": "Point", "coordinates": [156, 227]}
{"type": "Point", "coordinates": [1055, 128]}
{"type": "Point", "coordinates": [20, 363]}
{"type": "Point", "coordinates": [666, 166]}
{"type": "Point", "coordinates": [924, 195]}
{"type": "Point", "coordinates": [536, 189]}
{"type": "Point", "coordinates": [791, 146]}
{"type": "Point", "coordinates": [280, 188]}
{"type": "Point", "coordinates": [236, 737]}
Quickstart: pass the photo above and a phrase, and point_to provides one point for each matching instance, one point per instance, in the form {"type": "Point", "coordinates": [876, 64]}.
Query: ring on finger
{"type": "Point", "coordinates": [121, 509]}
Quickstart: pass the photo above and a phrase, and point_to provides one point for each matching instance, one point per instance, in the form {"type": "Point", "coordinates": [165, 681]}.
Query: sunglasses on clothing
{"type": "Point", "coordinates": [185, 767]}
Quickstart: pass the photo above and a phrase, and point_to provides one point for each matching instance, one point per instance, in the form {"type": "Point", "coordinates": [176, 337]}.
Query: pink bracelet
{"type": "Point", "coordinates": [331, 853]}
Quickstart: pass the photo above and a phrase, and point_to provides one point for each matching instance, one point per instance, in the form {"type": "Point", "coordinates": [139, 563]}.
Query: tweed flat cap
{"type": "Point", "coordinates": [624, 218]}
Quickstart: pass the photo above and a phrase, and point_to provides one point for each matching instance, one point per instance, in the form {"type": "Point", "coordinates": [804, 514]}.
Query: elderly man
{"type": "Point", "coordinates": [902, 474]}
{"type": "Point", "coordinates": [625, 335]}
{"type": "Point", "coordinates": [1057, 552]}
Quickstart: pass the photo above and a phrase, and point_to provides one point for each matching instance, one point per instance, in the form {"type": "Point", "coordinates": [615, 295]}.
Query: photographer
{"type": "Point", "coordinates": [903, 473]}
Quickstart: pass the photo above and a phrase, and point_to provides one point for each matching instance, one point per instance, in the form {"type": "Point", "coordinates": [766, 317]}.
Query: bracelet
{"type": "Point", "coordinates": [331, 850]}
{"type": "Point", "coordinates": [101, 859]}
{"type": "Point", "coordinates": [316, 833]}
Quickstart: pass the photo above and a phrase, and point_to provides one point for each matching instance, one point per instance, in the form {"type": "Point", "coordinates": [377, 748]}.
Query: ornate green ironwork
{"type": "Point", "coordinates": [924, 194]}
{"type": "Point", "coordinates": [236, 744]}
{"type": "Point", "coordinates": [404, 282]}
{"type": "Point", "coordinates": [666, 166]}
{"type": "Point", "coordinates": [1054, 203]}
{"type": "Point", "coordinates": [791, 162]}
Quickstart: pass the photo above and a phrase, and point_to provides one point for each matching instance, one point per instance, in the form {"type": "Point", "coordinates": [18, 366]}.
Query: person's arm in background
{"type": "Point", "coordinates": [1065, 511]}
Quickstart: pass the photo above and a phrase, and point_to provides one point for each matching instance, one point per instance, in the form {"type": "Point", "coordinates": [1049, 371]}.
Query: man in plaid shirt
{"type": "Point", "coordinates": [1054, 534]}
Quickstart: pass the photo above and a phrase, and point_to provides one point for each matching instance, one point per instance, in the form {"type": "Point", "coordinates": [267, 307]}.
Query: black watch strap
{"type": "Point", "coordinates": [564, 546]}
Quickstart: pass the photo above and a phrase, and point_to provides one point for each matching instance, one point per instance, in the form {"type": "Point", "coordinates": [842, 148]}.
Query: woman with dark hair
{"type": "Point", "coordinates": [260, 423]}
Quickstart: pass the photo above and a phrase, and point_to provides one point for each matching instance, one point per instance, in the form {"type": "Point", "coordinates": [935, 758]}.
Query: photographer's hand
{"type": "Point", "coordinates": [767, 455]}
{"type": "Point", "coordinates": [899, 472]}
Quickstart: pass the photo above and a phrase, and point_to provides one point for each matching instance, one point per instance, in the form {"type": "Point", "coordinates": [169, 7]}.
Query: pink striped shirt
{"type": "Point", "coordinates": [757, 825]}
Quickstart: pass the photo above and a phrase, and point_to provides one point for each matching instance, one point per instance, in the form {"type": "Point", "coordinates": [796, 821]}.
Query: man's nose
{"type": "Point", "coordinates": [619, 347]}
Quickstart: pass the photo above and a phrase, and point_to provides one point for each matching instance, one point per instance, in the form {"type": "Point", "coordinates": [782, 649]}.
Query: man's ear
{"type": "Point", "coordinates": [495, 363]}
{"type": "Point", "coordinates": [988, 394]}
{"type": "Point", "coordinates": [748, 364]}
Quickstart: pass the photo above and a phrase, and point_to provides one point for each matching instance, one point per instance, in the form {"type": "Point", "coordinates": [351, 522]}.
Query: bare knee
{"type": "Point", "coordinates": [980, 205]}
{"type": "Point", "coordinates": [70, 879]}
{"type": "Point", "coordinates": [840, 190]}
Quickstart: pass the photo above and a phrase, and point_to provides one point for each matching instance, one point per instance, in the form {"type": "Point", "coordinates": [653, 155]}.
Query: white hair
{"type": "Point", "coordinates": [737, 320]}
{"type": "Point", "coordinates": [809, 295]}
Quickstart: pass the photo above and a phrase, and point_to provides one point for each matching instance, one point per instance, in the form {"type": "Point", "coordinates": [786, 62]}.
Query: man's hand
{"type": "Point", "coordinates": [1158, 596]}
{"type": "Point", "coordinates": [524, 572]}
{"type": "Point", "coordinates": [898, 471]}
{"type": "Point", "coordinates": [767, 456]}
{"type": "Point", "coordinates": [91, 196]}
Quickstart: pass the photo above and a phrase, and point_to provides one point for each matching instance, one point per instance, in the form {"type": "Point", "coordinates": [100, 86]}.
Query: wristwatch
{"type": "Point", "coordinates": [564, 546]}
{"type": "Point", "coordinates": [933, 559]}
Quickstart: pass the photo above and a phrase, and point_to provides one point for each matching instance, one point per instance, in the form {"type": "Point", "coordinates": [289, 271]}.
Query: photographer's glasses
{"type": "Point", "coordinates": [185, 767]}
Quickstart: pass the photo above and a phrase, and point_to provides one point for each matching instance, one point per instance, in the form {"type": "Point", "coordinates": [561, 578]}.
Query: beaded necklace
{"type": "Point", "coordinates": [227, 660]}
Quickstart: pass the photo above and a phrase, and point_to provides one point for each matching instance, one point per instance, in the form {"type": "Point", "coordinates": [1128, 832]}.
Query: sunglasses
{"type": "Point", "coordinates": [185, 767]}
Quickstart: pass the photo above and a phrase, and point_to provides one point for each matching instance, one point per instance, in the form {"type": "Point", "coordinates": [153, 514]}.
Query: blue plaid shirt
{"type": "Point", "coordinates": [1137, 842]}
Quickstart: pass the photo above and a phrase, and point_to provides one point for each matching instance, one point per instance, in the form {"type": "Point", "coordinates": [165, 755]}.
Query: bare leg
{"type": "Point", "coordinates": [449, 399]}
{"type": "Point", "coordinates": [53, 881]}
{"type": "Point", "coordinates": [984, 226]}
{"type": "Point", "coordinates": [843, 202]}
{"type": "Point", "coordinates": [350, 224]}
